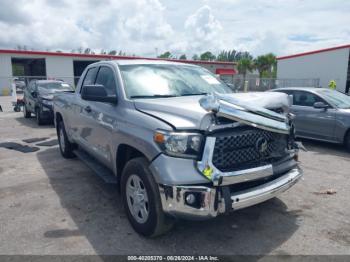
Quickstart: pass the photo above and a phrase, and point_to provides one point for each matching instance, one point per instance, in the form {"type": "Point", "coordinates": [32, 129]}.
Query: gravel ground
{"type": "Point", "coordinates": [50, 205]}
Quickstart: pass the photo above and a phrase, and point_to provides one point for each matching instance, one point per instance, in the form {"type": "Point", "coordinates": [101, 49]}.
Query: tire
{"type": "Point", "coordinates": [152, 222]}
{"type": "Point", "coordinates": [66, 147]}
{"type": "Point", "coordinates": [26, 113]}
{"type": "Point", "coordinates": [347, 141]}
{"type": "Point", "coordinates": [39, 119]}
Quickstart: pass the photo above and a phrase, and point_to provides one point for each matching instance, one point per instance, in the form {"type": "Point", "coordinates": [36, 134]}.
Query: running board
{"type": "Point", "coordinates": [99, 169]}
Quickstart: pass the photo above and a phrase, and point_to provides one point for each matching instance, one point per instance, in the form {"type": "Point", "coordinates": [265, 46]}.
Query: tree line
{"type": "Point", "coordinates": [266, 65]}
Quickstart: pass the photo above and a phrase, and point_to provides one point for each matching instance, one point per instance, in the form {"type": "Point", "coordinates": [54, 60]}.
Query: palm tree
{"type": "Point", "coordinates": [261, 64]}
{"type": "Point", "coordinates": [266, 64]}
{"type": "Point", "coordinates": [244, 66]}
{"type": "Point", "coordinates": [272, 61]}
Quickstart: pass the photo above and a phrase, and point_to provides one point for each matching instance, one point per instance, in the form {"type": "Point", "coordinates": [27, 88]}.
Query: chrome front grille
{"type": "Point", "coordinates": [247, 147]}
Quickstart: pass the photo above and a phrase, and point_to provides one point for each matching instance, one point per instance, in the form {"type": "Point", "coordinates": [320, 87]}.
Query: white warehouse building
{"type": "Point", "coordinates": [325, 65]}
{"type": "Point", "coordinates": [28, 65]}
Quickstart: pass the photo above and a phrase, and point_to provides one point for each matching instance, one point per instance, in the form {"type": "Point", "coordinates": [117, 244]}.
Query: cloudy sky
{"type": "Point", "coordinates": [144, 27]}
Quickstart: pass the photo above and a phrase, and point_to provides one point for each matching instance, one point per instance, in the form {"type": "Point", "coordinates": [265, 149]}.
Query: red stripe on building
{"type": "Point", "coordinates": [225, 71]}
{"type": "Point", "coordinates": [44, 53]}
{"type": "Point", "coordinates": [313, 52]}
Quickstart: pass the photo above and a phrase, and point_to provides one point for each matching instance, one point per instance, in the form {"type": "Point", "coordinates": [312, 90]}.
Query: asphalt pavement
{"type": "Point", "coordinates": [51, 205]}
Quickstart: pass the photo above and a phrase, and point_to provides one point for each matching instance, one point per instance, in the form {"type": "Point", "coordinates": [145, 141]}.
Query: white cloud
{"type": "Point", "coordinates": [140, 26]}
{"type": "Point", "coordinates": [132, 26]}
{"type": "Point", "coordinates": [203, 30]}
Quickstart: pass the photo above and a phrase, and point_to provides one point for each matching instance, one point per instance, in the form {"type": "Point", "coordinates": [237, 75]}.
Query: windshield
{"type": "Point", "coordinates": [336, 98]}
{"type": "Point", "coordinates": [152, 81]}
{"type": "Point", "coordinates": [55, 85]}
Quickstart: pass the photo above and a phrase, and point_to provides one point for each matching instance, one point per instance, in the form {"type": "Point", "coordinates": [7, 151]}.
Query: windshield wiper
{"type": "Point", "coordinates": [196, 94]}
{"type": "Point", "coordinates": [152, 96]}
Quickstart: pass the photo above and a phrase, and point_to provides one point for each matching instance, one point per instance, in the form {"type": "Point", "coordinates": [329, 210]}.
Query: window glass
{"type": "Point", "coordinates": [305, 99]}
{"type": "Point", "coordinates": [164, 80]}
{"type": "Point", "coordinates": [106, 78]}
{"type": "Point", "coordinates": [90, 76]}
{"type": "Point", "coordinates": [335, 98]}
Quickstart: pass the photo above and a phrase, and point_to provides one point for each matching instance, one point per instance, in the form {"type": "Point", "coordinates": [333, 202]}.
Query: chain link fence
{"type": "Point", "coordinates": [255, 84]}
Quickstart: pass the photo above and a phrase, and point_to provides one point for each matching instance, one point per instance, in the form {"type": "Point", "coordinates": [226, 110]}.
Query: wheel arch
{"type": "Point", "coordinates": [126, 152]}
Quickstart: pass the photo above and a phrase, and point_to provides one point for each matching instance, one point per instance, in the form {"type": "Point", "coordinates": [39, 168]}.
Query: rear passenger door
{"type": "Point", "coordinates": [312, 122]}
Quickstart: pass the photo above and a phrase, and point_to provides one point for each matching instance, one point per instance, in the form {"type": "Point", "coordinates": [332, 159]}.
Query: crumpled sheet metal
{"type": "Point", "coordinates": [241, 109]}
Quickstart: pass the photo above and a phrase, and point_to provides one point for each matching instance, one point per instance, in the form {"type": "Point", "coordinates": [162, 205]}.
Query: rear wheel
{"type": "Point", "coordinates": [141, 199]}
{"type": "Point", "coordinates": [66, 147]}
{"type": "Point", "coordinates": [38, 116]}
{"type": "Point", "coordinates": [26, 113]}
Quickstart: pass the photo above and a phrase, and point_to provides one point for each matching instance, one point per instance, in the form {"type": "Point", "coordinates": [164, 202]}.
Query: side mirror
{"type": "Point", "coordinates": [97, 93]}
{"type": "Point", "coordinates": [320, 105]}
{"type": "Point", "coordinates": [34, 94]}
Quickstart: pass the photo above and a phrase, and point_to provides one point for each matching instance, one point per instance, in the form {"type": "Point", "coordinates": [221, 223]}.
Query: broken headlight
{"type": "Point", "coordinates": [179, 144]}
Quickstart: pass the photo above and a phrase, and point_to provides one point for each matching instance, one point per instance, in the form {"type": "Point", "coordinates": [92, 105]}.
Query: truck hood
{"type": "Point", "coordinates": [49, 93]}
{"type": "Point", "coordinates": [188, 112]}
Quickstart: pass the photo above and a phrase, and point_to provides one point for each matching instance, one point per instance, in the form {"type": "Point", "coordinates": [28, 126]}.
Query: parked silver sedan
{"type": "Point", "coordinates": [321, 114]}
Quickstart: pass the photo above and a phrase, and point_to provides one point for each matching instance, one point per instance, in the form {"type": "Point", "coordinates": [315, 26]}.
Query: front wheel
{"type": "Point", "coordinates": [141, 199]}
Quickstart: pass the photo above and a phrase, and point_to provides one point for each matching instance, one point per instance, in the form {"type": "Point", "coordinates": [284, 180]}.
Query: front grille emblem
{"type": "Point", "coordinates": [261, 145]}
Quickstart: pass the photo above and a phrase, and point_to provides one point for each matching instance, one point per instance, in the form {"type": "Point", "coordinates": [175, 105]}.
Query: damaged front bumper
{"type": "Point", "coordinates": [233, 190]}
{"type": "Point", "coordinates": [211, 201]}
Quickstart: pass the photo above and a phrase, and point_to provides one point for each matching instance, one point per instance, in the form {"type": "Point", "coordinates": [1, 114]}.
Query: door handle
{"type": "Point", "coordinates": [88, 109]}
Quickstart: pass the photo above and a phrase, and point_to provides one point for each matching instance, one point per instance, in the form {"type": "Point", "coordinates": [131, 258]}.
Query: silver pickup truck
{"type": "Point", "coordinates": [178, 142]}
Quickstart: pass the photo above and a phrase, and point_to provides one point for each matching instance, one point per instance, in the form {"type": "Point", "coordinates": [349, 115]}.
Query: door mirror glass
{"type": "Point", "coordinates": [97, 93]}
{"type": "Point", "coordinates": [320, 105]}
{"type": "Point", "coordinates": [34, 94]}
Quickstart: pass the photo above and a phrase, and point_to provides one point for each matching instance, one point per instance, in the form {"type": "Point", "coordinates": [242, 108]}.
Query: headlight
{"type": "Point", "coordinates": [179, 144]}
{"type": "Point", "coordinates": [47, 102]}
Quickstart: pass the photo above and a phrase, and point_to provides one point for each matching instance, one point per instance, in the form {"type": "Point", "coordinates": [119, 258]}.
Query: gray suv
{"type": "Point", "coordinates": [177, 141]}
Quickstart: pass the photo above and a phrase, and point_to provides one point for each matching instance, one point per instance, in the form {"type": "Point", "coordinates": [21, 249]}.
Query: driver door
{"type": "Point", "coordinates": [312, 122]}
{"type": "Point", "coordinates": [99, 119]}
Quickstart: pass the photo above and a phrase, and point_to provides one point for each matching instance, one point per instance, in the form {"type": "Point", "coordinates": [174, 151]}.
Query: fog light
{"type": "Point", "coordinates": [190, 199]}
